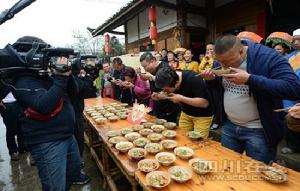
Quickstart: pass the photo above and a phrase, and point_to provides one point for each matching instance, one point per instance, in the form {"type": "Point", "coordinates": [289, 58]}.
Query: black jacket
{"type": "Point", "coordinates": [84, 89]}
{"type": "Point", "coordinates": [44, 95]}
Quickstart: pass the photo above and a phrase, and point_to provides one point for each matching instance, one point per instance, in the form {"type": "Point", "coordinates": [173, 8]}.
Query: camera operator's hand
{"type": "Point", "coordinates": [2, 105]}
{"type": "Point", "coordinates": [82, 73]}
{"type": "Point", "coordinates": [62, 61]}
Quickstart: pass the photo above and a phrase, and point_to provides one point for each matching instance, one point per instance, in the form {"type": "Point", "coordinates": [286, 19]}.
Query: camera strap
{"type": "Point", "coordinates": [32, 51]}
{"type": "Point", "coordinates": [32, 114]}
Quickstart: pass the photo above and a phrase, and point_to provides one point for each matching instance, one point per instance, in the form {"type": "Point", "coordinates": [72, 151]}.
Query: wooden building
{"type": "Point", "coordinates": [196, 22]}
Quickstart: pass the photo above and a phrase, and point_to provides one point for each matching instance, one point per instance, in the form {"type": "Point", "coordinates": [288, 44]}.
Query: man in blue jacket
{"type": "Point", "coordinates": [259, 79]}
{"type": "Point", "coordinates": [48, 123]}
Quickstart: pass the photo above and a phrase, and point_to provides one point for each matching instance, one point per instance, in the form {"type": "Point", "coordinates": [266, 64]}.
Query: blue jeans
{"type": "Point", "coordinates": [58, 163]}
{"type": "Point", "coordinates": [251, 140]}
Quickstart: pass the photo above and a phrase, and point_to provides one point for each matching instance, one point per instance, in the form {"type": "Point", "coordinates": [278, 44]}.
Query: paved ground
{"type": "Point", "coordinates": [20, 176]}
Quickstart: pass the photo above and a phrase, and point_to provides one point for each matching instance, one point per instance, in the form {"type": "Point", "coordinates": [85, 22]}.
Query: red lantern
{"type": "Point", "coordinates": [152, 13]}
{"type": "Point", "coordinates": [153, 33]}
{"type": "Point", "coordinates": [107, 49]}
{"type": "Point", "coordinates": [107, 38]}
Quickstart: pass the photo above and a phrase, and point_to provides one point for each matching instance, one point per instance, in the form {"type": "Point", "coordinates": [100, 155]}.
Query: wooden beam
{"type": "Point", "coordinates": [117, 32]}
{"type": "Point", "coordinates": [126, 37]}
{"type": "Point", "coordinates": [139, 30]}
{"type": "Point", "coordinates": [165, 4]}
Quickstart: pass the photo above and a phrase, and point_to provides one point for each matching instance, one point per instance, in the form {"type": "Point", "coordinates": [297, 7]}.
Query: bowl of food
{"type": "Point", "coordinates": [123, 116]}
{"type": "Point", "coordinates": [201, 166]}
{"type": "Point", "coordinates": [111, 109]}
{"type": "Point", "coordinates": [168, 144]}
{"type": "Point", "coordinates": [153, 148]}
{"type": "Point", "coordinates": [106, 106]}
{"type": "Point", "coordinates": [89, 109]}
{"type": "Point", "coordinates": [155, 137]}
{"type": "Point", "coordinates": [157, 128]}
{"type": "Point", "coordinates": [180, 174]}
{"type": "Point", "coordinates": [137, 127]}
{"type": "Point", "coordinates": [126, 130]}
{"type": "Point", "coordinates": [100, 108]}
{"type": "Point", "coordinates": [170, 125]}
{"type": "Point", "coordinates": [141, 142]}
{"type": "Point", "coordinates": [148, 124]}
{"type": "Point", "coordinates": [104, 112]}
{"type": "Point", "coordinates": [184, 152]}
{"type": "Point", "coordinates": [113, 133]}
{"type": "Point", "coordinates": [123, 110]}
{"type": "Point", "coordinates": [124, 146]}
{"type": "Point", "coordinates": [145, 132]}
{"type": "Point", "coordinates": [170, 134]}
{"type": "Point", "coordinates": [165, 158]}
{"type": "Point", "coordinates": [96, 116]}
{"type": "Point", "coordinates": [117, 139]}
{"type": "Point", "coordinates": [137, 153]}
{"type": "Point", "coordinates": [115, 111]}
{"type": "Point", "coordinates": [118, 107]}
{"type": "Point", "coordinates": [90, 112]}
{"type": "Point", "coordinates": [220, 71]}
{"type": "Point", "coordinates": [132, 136]}
{"type": "Point", "coordinates": [113, 118]}
{"type": "Point", "coordinates": [124, 104]}
{"type": "Point", "coordinates": [148, 165]}
{"type": "Point", "coordinates": [273, 175]}
{"type": "Point", "coordinates": [158, 179]}
{"type": "Point", "coordinates": [101, 120]}
{"type": "Point", "coordinates": [160, 121]}
{"type": "Point", "coordinates": [162, 95]}
{"type": "Point", "coordinates": [194, 135]}
{"type": "Point", "coordinates": [109, 115]}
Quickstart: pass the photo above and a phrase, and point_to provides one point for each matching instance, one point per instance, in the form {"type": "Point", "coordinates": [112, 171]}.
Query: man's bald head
{"type": "Point", "coordinates": [225, 43]}
{"type": "Point", "coordinates": [229, 50]}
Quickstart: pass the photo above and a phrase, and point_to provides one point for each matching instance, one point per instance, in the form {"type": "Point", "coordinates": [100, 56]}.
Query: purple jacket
{"type": "Point", "coordinates": [141, 88]}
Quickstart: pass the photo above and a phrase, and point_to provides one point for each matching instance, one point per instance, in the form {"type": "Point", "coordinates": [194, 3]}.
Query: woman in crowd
{"type": "Point", "coordinates": [173, 63]}
{"type": "Point", "coordinates": [188, 64]}
{"type": "Point", "coordinates": [140, 89]}
{"type": "Point", "coordinates": [281, 49]}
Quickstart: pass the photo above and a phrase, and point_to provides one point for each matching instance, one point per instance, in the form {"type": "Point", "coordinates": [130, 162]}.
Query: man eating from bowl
{"type": "Point", "coordinates": [258, 80]}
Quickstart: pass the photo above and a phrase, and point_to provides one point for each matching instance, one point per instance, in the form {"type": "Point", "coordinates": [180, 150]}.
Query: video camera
{"type": "Point", "coordinates": [31, 57]}
{"type": "Point", "coordinates": [90, 65]}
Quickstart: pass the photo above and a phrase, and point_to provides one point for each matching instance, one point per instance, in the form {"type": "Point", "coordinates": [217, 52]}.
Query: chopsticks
{"type": "Point", "coordinates": [282, 109]}
{"type": "Point", "coordinates": [215, 68]}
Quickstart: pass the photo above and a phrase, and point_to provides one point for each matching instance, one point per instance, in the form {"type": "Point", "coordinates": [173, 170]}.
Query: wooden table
{"type": "Point", "coordinates": [98, 140]}
{"type": "Point", "coordinates": [233, 171]}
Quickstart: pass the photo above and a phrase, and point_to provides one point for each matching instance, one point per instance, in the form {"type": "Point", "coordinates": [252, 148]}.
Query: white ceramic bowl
{"type": "Point", "coordinates": [180, 174]}
{"type": "Point", "coordinates": [165, 158]}
{"type": "Point", "coordinates": [184, 152]}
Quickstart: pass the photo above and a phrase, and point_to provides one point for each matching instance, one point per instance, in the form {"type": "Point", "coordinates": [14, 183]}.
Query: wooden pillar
{"type": "Point", "coordinates": [139, 31]}
{"type": "Point", "coordinates": [126, 37]}
{"type": "Point", "coordinates": [210, 21]}
{"type": "Point", "coordinates": [181, 22]}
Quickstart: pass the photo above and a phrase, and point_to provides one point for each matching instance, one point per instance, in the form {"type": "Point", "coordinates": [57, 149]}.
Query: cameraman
{"type": "Point", "coordinates": [85, 89]}
{"type": "Point", "coordinates": [48, 123]}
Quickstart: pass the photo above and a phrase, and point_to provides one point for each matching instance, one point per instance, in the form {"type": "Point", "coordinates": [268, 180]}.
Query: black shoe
{"type": "Point", "coordinates": [214, 126]}
{"type": "Point", "coordinates": [287, 150]}
{"type": "Point", "coordinates": [31, 161]}
{"type": "Point", "coordinates": [83, 179]}
{"type": "Point", "coordinates": [14, 156]}
{"type": "Point", "coordinates": [82, 164]}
